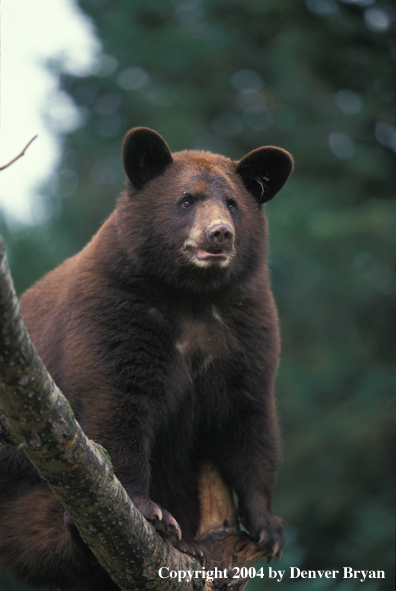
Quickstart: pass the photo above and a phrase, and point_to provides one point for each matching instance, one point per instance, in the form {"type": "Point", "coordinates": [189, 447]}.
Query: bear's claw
{"type": "Point", "coordinates": [162, 520]}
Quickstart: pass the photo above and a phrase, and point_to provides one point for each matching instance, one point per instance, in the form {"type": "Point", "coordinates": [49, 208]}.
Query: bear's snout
{"type": "Point", "coordinates": [220, 234]}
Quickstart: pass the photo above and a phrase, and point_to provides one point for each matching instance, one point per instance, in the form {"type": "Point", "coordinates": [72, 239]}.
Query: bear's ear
{"type": "Point", "coordinates": [264, 171]}
{"type": "Point", "coordinates": [145, 155]}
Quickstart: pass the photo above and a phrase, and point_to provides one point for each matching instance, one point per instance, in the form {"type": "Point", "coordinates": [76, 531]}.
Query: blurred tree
{"type": "Point", "coordinates": [317, 78]}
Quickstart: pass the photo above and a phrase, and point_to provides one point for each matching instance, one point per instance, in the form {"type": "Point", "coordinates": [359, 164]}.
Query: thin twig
{"type": "Point", "coordinates": [19, 155]}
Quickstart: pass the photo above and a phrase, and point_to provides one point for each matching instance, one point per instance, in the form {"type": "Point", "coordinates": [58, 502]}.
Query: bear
{"type": "Point", "coordinates": [164, 336]}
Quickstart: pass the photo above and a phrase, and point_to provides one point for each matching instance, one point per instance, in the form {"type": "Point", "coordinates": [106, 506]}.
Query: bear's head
{"type": "Point", "coordinates": [193, 218]}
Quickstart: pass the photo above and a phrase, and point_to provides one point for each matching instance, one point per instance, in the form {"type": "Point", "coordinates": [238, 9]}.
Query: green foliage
{"type": "Point", "coordinates": [319, 80]}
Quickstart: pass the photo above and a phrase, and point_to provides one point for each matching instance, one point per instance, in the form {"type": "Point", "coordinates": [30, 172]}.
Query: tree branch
{"type": "Point", "coordinates": [36, 416]}
{"type": "Point", "coordinates": [19, 155]}
{"type": "Point", "coordinates": [6, 437]}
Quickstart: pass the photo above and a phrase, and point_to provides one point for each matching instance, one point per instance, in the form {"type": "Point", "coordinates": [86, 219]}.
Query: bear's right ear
{"type": "Point", "coordinates": [145, 155]}
{"type": "Point", "coordinates": [264, 171]}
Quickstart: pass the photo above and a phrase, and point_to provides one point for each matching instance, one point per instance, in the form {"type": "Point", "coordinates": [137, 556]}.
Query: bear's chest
{"type": "Point", "coordinates": [202, 340]}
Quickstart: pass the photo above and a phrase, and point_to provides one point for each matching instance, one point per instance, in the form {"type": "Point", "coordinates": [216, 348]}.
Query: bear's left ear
{"type": "Point", "coordinates": [264, 171]}
{"type": "Point", "coordinates": [145, 155]}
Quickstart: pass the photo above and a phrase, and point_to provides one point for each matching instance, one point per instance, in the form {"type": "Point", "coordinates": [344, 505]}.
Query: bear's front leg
{"type": "Point", "coordinates": [130, 450]}
{"type": "Point", "coordinates": [132, 467]}
{"type": "Point", "coordinates": [264, 528]}
{"type": "Point", "coordinates": [247, 456]}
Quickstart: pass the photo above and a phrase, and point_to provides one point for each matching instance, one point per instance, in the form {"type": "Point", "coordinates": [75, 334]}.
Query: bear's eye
{"type": "Point", "coordinates": [187, 202]}
{"type": "Point", "coordinates": [231, 206]}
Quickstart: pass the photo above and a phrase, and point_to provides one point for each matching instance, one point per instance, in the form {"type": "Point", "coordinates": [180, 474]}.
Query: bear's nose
{"type": "Point", "coordinates": [220, 234]}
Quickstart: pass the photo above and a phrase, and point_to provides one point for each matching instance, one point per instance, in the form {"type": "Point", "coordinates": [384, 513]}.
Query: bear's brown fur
{"type": "Point", "coordinates": [163, 334]}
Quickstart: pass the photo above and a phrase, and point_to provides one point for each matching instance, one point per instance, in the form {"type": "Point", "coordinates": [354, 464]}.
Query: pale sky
{"type": "Point", "coordinates": [33, 32]}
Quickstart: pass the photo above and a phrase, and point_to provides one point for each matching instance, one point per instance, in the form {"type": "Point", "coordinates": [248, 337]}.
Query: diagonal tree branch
{"type": "Point", "coordinates": [19, 155]}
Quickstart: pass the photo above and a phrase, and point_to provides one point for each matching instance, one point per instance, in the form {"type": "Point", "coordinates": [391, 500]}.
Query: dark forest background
{"type": "Point", "coordinates": [319, 79]}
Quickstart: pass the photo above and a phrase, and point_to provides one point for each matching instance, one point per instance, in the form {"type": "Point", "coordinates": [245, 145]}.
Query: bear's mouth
{"type": "Point", "coordinates": [208, 255]}
{"type": "Point", "coordinates": [203, 254]}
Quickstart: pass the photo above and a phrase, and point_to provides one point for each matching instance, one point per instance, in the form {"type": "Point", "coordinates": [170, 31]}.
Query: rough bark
{"type": "Point", "coordinates": [36, 417]}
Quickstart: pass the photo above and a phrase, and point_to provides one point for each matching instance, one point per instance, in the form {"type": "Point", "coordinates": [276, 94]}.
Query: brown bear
{"type": "Point", "coordinates": [163, 334]}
